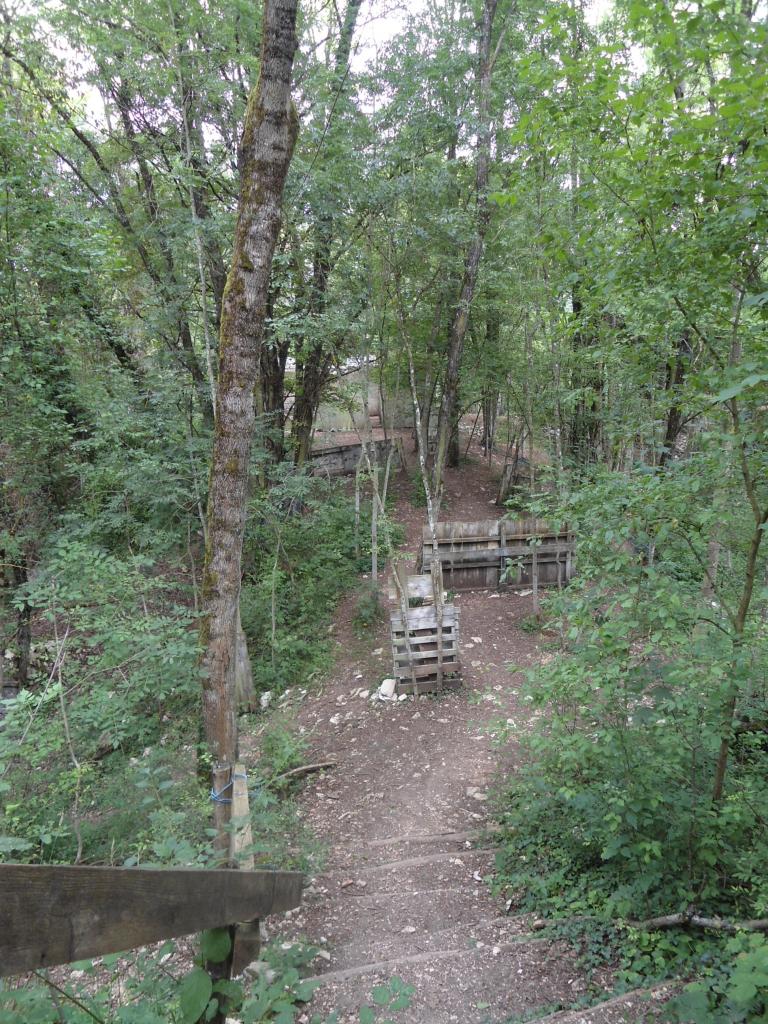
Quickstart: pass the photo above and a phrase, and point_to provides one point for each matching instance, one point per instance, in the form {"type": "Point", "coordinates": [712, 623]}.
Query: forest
{"type": "Point", "coordinates": [506, 262]}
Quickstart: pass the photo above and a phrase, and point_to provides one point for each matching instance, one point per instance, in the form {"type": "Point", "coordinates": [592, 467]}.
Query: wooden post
{"type": "Point", "coordinates": [246, 941]}
{"type": "Point", "coordinates": [568, 559]}
{"type": "Point", "coordinates": [357, 506]}
{"type": "Point", "coordinates": [535, 575]}
{"type": "Point", "coordinates": [375, 529]}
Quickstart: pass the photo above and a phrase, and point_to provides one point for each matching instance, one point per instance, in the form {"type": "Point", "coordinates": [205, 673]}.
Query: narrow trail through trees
{"type": "Point", "coordinates": [405, 822]}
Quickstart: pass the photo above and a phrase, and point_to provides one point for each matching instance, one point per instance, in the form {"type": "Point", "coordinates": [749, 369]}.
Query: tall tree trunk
{"type": "Point", "coordinates": [474, 255]}
{"type": "Point", "coordinates": [313, 367]}
{"type": "Point", "coordinates": [269, 136]}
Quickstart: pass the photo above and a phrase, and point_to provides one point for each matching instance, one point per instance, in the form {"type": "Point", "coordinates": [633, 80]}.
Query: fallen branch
{"type": "Point", "coordinates": [692, 920]}
{"type": "Point", "coordinates": [305, 769]}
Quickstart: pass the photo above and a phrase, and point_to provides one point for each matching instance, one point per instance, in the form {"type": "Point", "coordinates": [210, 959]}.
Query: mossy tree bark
{"type": "Point", "coordinates": [269, 136]}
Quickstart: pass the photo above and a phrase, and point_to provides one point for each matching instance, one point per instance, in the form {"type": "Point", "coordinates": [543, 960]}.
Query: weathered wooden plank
{"type": "Point", "coordinates": [426, 671]}
{"type": "Point", "coordinates": [401, 658]}
{"type": "Point", "coordinates": [425, 616]}
{"type": "Point", "coordinates": [54, 915]}
{"type": "Point", "coordinates": [472, 556]}
{"type": "Point", "coordinates": [428, 685]}
{"type": "Point", "coordinates": [424, 639]}
{"type": "Point", "coordinates": [483, 529]}
{"type": "Point", "coordinates": [422, 633]}
{"type": "Point", "coordinates": [247, 935]}
{"type": "Point", "coordinates": [485, 556]}
{"type": "Point", "coordinates": [423, 643]}
{"type": "Point", "coordinates": [418, 589]}
{"type": "Point", "coordinates": [423, 624]}
{"type": "Point", "coordinates": [489, 529]}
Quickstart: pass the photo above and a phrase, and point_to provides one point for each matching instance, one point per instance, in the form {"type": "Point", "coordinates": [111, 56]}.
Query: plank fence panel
{"type": "Point", "coordinates": [55, 915]}
{"type": "Point", "coordinates": [475, 555]}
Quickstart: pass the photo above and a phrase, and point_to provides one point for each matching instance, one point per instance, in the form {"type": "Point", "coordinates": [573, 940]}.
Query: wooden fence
{"type": "Point", "coordinates": [501, 552]}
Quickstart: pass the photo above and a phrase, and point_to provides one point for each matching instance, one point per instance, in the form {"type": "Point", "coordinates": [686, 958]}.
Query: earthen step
{"type": "Point", "coordinates": [469, 835]}
{"type": "Point", "coordinates": [388, 942]}
{"type": "Point", "coordinates": [336, 916]}
{"type": "Point", "coordinates": [369, 854]}
{"type": "Point", "coordinates": [644, 1004]}
{"type": "Point", "coordinates": [460, 985]}
{"type": "Point", "coordinates": [452, 869]}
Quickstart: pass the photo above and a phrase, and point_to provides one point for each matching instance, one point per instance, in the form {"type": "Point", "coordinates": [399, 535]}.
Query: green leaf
{"type": "Point", "coordinates": [402, 1002]}
{"type": "Point", "coordinates": [736, 389]}
{"type": "Point", "coordinates": [10, 844]}
{"type": "Point", "coordinates": [194, 993]}
{"type": "Point", "coordinates": [367, 1015]}
{"type": "Point", "coordinates": [215, 944]}
{"type": "Point", "coordinates": [230, 989]}
{"type": "Point", "coordinates": [381, 995]}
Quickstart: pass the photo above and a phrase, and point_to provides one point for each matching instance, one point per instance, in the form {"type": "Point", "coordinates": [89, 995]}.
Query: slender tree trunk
{"type": "Point", "coordinates": [474, 255]}
{"type": "Point", "coordinates": [269, 136]}
{"type": "Point", "coordinates": [740, 614]}
{"type": "Point", "coordinates": [584, 435]}
{"type": "Point", "coordinates": [311, 378]}
{"type": "Point", "coordinates": [676, 370]}
{"type": "Point", "coordinates": [270, 387]}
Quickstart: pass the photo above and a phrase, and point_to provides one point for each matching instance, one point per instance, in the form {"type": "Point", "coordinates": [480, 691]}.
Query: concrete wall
{"type": "Point", "coordinates": [334, 414]}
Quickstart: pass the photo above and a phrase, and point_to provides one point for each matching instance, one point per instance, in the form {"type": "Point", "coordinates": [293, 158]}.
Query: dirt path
{"type": "Point", "coordinates": [404, 818]}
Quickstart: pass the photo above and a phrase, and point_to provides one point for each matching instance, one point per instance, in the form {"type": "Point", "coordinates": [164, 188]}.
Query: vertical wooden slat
{"type": "Point", "coordinates": [246, 938]}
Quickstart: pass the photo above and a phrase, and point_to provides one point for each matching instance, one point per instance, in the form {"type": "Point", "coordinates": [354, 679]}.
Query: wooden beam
{"type": "Point", "coordinates": [54, 915]}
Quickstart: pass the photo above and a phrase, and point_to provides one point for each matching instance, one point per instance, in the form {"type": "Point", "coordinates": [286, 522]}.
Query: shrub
{"type": "Point", "coordinates": [612, 814]}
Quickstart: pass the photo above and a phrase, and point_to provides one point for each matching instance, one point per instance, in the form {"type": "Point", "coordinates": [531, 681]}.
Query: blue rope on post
{"type": "Point", "coordinates": [218, 797]}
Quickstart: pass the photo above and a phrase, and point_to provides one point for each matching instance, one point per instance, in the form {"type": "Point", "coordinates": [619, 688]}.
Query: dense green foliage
{"type": "Point", "coordinates": [617, 335]}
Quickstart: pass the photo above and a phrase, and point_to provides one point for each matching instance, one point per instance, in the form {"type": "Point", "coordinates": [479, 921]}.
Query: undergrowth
{"type": "Point", "coordinates": [100, 753]}
{"type": "Point", "coordinates": [610, 818]}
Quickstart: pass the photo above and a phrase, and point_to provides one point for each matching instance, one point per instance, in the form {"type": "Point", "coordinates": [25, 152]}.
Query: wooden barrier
{"type": "Point", "coordinates": [417, 662]}
{"type": "Point", "coordinates": [344, 459]}
{"type": "Point", "coordinates": [54, 915]}
{"type": "Point", "coordinates": [418, 589]}
{"type": "Point", "coordinates": [515, 553]}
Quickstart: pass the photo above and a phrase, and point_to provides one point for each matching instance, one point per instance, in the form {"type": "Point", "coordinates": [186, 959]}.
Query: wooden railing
{"type": "Point", "coordinates": [56, 915]}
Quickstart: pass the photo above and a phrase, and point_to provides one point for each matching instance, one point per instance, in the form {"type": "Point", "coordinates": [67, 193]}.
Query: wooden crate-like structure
{"type": "Point", "coordinates": [474, 556]}
{"type": "Point", "coordinates": [422, 675]}
{"type": "Point", "coordinates": [419, 589]}
{"type": "Point", "coordinates": [344, 459]}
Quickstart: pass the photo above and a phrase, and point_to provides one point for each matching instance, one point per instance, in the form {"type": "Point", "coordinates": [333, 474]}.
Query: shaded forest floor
{"type": "Point", "coordinates": [405, 820]}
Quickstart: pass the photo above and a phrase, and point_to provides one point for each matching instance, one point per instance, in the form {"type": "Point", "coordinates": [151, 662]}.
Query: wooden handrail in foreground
{"type": "Point", "coordinates": [56, 915]}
